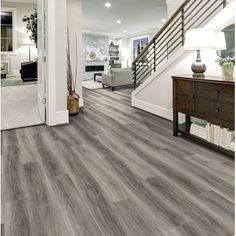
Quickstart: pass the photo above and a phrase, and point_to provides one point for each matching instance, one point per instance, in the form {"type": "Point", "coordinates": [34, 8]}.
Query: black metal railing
{"type": "Point", "coordinates": [191, 14]}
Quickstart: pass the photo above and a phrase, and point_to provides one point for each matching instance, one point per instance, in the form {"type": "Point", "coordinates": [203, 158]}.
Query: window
{"type": "Point", "coordinates": [138, 45]}
{"type": "Point", "coordinates": [7, 30]}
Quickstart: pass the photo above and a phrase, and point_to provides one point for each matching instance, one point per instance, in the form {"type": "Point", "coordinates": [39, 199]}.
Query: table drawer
{"type": "Point", "coordinates": [185, 87]}
{"type": "Point", "coordinates": [219, 92]}
{"type": "Point", "coordinates": [185, 103]}
{"type": "Point", "coordinates": [215, 111]}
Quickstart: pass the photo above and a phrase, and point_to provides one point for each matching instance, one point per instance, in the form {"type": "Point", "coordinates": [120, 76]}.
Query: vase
{"type": "Point", "coordinates": [228, 72]}
{"type": "Point", "coordinates": [73, 104]}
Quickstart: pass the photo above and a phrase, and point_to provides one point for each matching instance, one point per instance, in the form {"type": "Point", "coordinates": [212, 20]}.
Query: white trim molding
{"type": "Point", "coordinates": [62, 117]}
{"type": "Point", "coordinates": [152, 108]}
{"type": "Point", "coordinates": [51, 64]}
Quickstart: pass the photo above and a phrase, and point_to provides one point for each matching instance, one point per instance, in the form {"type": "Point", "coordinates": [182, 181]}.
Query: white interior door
{"type": "Point", "coordinates": [41, 46]}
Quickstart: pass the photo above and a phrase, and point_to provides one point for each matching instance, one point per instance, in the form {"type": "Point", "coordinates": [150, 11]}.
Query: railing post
{"type": "Point", "coordinates": [154, 69]}
{"type": "Point", "coordinates": [182, 25]}
{"type": "Point", "coordinates": [135, 75]}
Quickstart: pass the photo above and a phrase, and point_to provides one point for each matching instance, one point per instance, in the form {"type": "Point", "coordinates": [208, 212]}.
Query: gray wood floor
{"type": "Point", "coordinates": [115, 170]}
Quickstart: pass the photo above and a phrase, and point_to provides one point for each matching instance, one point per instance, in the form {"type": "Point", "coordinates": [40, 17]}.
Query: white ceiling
{"type": "Point", "coordinates": [137, 16]}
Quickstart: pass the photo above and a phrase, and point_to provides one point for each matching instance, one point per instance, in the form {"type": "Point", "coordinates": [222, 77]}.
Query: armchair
{"type": "Point", "coordinates": [118, 77]}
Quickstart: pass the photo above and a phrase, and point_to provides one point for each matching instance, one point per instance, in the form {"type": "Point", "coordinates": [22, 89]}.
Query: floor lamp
{"type": "Point", "coordinates": [29, 43]}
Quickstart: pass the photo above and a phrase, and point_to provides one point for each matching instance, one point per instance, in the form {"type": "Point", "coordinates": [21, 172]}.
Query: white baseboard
{"type": "Point", "coordinates": [62, 117]}
{"type": "Point", "coordinates": [152, 108]}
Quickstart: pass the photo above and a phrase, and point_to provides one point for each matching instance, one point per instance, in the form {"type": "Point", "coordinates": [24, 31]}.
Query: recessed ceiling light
{"type": "Point", "coordinates": [118, 21]}
{"type": "Point", "coordinates": [124, 31]}
{"type": "Point", "coordinates": [107, 4]}
{"type": "Point", "coordinates": [159, 6]}
{"type": "Point", "coordinates": [163, 20]}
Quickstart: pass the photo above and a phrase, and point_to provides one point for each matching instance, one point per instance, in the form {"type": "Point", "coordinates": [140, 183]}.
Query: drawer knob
{"type": "Point", "coordinates": [192, 96]}
{"type": "Point", "coordinates": [217, 110]}
{"type": "Point", "coordinates": [217, 91]}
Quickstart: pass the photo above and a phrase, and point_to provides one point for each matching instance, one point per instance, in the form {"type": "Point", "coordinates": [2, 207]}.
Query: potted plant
{"type": "Point", "coordinates": [72, 98]}
{"type": "Point", "coordinates": [32, 26]}
{"type": "Point", "coordinates": [227, 66]}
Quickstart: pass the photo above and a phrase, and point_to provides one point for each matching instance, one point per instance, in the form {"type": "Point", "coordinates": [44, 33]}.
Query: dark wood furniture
{"type": "Point", "coordinates": [29, 71]}
{"type": "Point", "coordinates": [209, 98]}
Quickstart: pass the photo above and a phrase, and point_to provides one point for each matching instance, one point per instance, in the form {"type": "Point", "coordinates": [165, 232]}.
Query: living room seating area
{"type": "Point", "coordinates": [118, 78]}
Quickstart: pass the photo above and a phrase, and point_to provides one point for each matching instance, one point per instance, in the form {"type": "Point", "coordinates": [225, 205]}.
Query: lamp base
{"type": "Point", "coordinates": [198, 75]}
{"type": "Point", "coordinates": [198, 67]}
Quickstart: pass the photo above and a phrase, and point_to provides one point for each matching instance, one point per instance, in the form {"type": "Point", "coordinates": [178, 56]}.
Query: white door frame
{"type": "Point", "coordinates": [51, 65]}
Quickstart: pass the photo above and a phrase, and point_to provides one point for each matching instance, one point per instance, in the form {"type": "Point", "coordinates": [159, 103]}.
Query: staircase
{"type": "Point", "coordinates": [191, 14]}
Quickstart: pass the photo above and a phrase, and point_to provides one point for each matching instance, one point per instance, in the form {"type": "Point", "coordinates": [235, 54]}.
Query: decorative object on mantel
{"type": "Point", "coordinates": [32, 26]}
{"type": "Point", "coordinates": [72, 98]}
{"type": "Point", "coordinates": [95, 54]}
{"type": "Point", "coordinates": [227, 66]}
{"type": "Point", "coordinates": [197, 39]}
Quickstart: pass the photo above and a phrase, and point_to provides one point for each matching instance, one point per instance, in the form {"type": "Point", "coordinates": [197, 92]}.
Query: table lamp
{"type": "Point", "coordinates": [199, 39]}
{"type": "Point", "coordinates": [220, 41]}
{"type": "Point", "coordinates": [29, 42]}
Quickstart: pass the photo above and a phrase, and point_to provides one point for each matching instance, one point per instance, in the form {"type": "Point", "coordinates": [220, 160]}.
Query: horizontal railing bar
{"type": "Point", "coordinates": [194, 9]}
{"type": "Point", "coordinates": [137, 67]}
{"type": "Point", "coordinates": [164, 33]}
{"type": "Point", "coordinates": [192, 5]}
{"type": "Point", "coordinates": [146, 69]}
{"type": "Point", "coordinates": [146, 61]}
{"type": "Point", "coordinates": [145, 74]}
{"type": "Point", "coordinates": [169, 41]}
{"type": "Point", "coordinates": [152, 48]}
{"type": "Point", "coordinates": [201, 14]}
{"type": "Point", "coordinates": [159, 42]}
{"type": "Point", "coordinates": [164, 27]}
{"type": "Point", "coordinates": [169, 46]}
{"type": "Point", "coordinates": [210, 14]}
{"type": "Point", "coordinates": [170, 52]}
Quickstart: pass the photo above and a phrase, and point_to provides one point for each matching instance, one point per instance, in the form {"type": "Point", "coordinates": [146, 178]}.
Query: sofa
{"type": "Point", "coordinates": [117, 78]}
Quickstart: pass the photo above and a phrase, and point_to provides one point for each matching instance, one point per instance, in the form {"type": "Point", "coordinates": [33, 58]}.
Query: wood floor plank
{"type": "Point", "coordinates": [114, 170]}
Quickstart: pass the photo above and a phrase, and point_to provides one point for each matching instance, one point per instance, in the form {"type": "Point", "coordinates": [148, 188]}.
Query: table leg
{"type": "Point", "coordinates": [175, 122]}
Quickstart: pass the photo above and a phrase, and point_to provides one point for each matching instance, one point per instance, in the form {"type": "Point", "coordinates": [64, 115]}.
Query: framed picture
{"type": "Point", "coordinates": [138, 45]}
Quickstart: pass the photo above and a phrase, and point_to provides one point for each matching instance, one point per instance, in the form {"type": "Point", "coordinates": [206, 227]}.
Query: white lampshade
{"type": "Point", "coordinates": [199, 38]}
{"type": "Point", "coordinates": [27, 41]}
{"type": "Point", "coordinates": [220, 41]}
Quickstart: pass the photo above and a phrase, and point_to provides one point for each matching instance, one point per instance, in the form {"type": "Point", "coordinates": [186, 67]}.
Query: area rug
{"type": "Point", "coordinates": [19, 107]}
{"type": "Point", "coordinates": [92, 85]}
{"type": "Point", "coordinates": [15, 81]}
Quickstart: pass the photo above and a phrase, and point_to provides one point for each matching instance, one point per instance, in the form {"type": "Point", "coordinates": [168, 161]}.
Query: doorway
{"type": "Point", "coordinates": [23, 65]}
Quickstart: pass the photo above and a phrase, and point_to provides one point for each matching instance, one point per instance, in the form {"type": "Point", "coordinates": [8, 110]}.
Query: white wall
{"type": "Point", "coordinates": [172, 6]}
{"type": "Point", "coordinates": [21, 53]}
{"type": "Point", "coordinates": [74, 22]}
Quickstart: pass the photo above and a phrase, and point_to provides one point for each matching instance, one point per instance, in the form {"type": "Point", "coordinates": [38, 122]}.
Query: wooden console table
{"type": "Point", "coordinates": [209, 98]}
